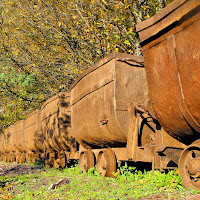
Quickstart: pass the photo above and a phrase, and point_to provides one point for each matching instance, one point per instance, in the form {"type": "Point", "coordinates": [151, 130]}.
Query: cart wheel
{"type": "Point", "coordinates": [22, 158]}
{"type": "Point", "coordinates": [56, 163]}
{"type": "Point", "coordinates": [35, 157]}
{"type": "Point", "coordinates": [51, 158]}
{"type": "Point", "coordinates": [12, 157]}
{"type": "Point", "coordinates": [2, 157]}
{"type": "Point", "coordinates": [62, 159]}
{"type": "Point", "coordinates": [18, 158]}
{"type": "Point", "coordinates": [86, 160]}
{"type": "Point", "coordinates": [49, 161]}
{"type": "Point", "coordinates": [29, 157]}
{"type": "Point", "coordinates": [9, 157]}
{"type": "Point", "coordinates": [6, 157]}
{"type": "Point", "coordinates": [106, 162]}
{"type": "Point", "coordinates": [189, 166]}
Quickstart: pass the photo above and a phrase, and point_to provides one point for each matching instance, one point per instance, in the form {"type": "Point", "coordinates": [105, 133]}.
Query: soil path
{"type": "Point", "coordinates": [16, 169]}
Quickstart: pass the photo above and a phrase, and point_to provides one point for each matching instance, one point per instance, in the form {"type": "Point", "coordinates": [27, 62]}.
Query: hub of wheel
{"type": "Point", "coordinates": [194, 168]}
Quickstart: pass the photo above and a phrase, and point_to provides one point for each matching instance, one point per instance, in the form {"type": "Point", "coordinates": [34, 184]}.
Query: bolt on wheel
{"type": "Point", "coordinates": [86, 160]}
{"type": "Point", "coordinates": [189, 167]}
{"type": "Point", "coordinates": [106, 162]}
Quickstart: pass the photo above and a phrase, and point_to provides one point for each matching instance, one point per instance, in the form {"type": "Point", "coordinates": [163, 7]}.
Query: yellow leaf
{"type": "Point", "coordinates": [141, 181]}
{"type": "Point", "coordinates": [131, 30]}
{"type": "Point", "coordinates": [104, 2]}
{"type": "Point", "coordinates": [176, 172]}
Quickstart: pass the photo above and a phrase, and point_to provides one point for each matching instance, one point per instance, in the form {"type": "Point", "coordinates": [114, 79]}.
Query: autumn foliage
{"type": "Point", "coordinates": [46, 44]}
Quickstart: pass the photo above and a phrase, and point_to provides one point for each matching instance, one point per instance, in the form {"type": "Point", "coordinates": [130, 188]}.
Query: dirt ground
{"type": "Point", "coordinates": [16, 169]}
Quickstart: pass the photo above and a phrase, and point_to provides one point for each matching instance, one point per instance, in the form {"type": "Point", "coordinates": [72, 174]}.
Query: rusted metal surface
{"type": "Point", "coordinates": [2, 150]}
{"type": "Point", "coordinates": [18, 136]}
{"type": "Point", "coordinates": [170, 44]}
{"type": "Point", "coordinates": [33, 131]}
{"type": "Point", "coordinates": [18, 141]}
{"type": "Point", "coordinates": [100, 97]}
{"type": "Point", "coordinates": [56, 129]}
{"type": "Point", "coordinates": [56, 123]}
{"type": "Point", "coordinates": [33, 135]}
{"type": "Point", "coordinates": [8, 144]}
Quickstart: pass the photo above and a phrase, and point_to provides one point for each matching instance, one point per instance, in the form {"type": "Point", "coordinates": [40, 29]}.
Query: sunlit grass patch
{"type": "Point", "coordinates": [129, 183]}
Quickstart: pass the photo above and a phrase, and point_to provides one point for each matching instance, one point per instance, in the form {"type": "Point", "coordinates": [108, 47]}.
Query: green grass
{"type": "Point", "coordinates": [127, 184]}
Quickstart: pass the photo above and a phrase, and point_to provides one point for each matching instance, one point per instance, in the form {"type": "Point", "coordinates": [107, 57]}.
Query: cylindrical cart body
{"type": "Point", "coordinates": [9, 140]}
{"type": "Point", "coordinates": [33, 131]}
{"type": "Point", "coordinates": [2, 150]}
{"type": "Point", "coordinates": [56, 123]}
{"type": "Point", "coordinates": [100, 98]}
{"type": "Point", "coordinates": [19, 137]}
{"type": "Point", "coordinates": [170, 44]}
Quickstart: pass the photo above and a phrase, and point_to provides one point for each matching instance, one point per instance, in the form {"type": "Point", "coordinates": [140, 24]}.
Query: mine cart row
{"type": "Point", "coordinates": [126, 108]}
{"type": "Point", "coordinates": [44, 133]}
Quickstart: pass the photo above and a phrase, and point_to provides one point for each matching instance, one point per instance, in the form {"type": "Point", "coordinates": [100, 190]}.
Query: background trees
{"type": "Point", "coordinates": [46, 44]}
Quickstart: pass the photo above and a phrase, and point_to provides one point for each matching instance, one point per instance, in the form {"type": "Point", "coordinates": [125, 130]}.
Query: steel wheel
{"type": "Point", "coordinates": [2, 157]}
{"type": "Point", "coordinates": [62, 159]}
{"type": "Point", "coordinates": [86, 160]}
{"type": "Point", "coordinates": [6, 157]}
{"type": "Point", "coordinates": [29, 157]}
{"type": "Point", "coordinates": [56, 161]}
{"type": "Point", "coordinates": [22, 158]}
{"type": "Point", "coordinates": [47, 164]}
{"type": "Point", "coordinates": [35, 157]}
{"type": "Point", "coordinates": [9, 157]}
{"type": "Point", "coordinates": [106, 163]}
{"type": "Point", "coordinates": [189, 166]}
{"type": "Point", "coordinates": [12, 157]}
{"type": "Point", "coordinates": [18, 158]}
{"type": "Point", "coordinates": [49, 161]}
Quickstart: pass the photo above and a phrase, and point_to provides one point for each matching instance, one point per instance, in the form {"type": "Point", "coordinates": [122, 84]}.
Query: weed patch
{"type": "Point", "coordinates": [128, 183]}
